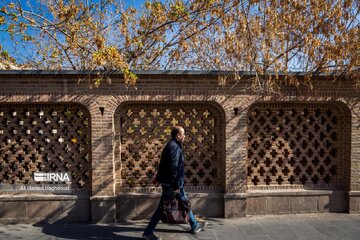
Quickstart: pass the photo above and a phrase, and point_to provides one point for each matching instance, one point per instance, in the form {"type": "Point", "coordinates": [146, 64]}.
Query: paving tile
{"type": "Point", "coordinates": [332, 231]}
{"type": "Point", "coordinates": [284, 227]}
{"type": "Point", "coordinates": [251, 229]}
{"type": "Point", "coordinates": [228, 231]}
{"type": "Point", "coordinates": [280, 231]}
{"type": "Point", "coordinates": [259, 236]}
{"type": "Point", "coordinates": [305, 231]}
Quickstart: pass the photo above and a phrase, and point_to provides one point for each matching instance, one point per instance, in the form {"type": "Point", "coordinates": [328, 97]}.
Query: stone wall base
{"type": "Point", "coordinates": [141, 206]}
{"type": "Point", "coordinates": [103, 209]}
{"type": "Point", "coordinates": [44, 209]}
{"type": "Point", "coordinates": [295, 201]}
{"type": "Point", "coordinates": [235, 205]}
{"type": "Point", "coordinates": [354, 202]}
{"type": "Point", "coordinates": [133, 206]}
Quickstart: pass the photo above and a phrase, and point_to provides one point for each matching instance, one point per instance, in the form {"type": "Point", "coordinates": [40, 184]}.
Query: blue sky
{"type": "Point", "coordinates": [12, 47]}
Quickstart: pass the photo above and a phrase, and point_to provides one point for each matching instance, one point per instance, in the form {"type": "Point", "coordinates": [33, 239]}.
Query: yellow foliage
{"type": "Point", "coordinates": [251, 35]}
{"type": "Point", "coordinates": [109, 57]}
{"type": "Point", "coordinates": [2, 20]}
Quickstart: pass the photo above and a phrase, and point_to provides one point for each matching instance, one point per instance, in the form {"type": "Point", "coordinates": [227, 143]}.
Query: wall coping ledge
{"type": "Point", "coordinates": [354, 193]}
{"type": "Point", "coordinates": [235, 196]}
{"type": "Point", "coordinates": [290, 192]}
{"type": "Point", "coordinates": [102, 198]}
{"type": "Point", "coordinates": [156, 195]}
{"type": "Point", "coordinates": [41, 197]}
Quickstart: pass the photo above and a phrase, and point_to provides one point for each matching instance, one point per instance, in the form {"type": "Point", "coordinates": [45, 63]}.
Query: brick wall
{"type": "Point", "coordinates": [64, 87]}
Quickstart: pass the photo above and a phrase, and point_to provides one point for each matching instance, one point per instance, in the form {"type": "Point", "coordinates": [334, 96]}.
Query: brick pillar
{"type": "Point", "coordinates": [354, 194]}
{"type": "Point", "coordinates": [103, 199]}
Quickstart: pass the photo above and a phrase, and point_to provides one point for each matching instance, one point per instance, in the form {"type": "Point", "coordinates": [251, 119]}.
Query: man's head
{"type": "Point", "coordinates": [178, 133]}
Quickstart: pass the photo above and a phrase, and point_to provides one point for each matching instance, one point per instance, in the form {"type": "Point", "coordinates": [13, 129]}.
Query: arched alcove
{"type": "Point", "coordinates": [45, 137]}
{"type": "Point", "coordinates": [297, 145]}
{"type": "Point", "coordinates": [143, 128]}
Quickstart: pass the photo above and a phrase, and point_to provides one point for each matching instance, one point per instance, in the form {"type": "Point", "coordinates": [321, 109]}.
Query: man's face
{"type": "Point", "coordinates": [181, 135]}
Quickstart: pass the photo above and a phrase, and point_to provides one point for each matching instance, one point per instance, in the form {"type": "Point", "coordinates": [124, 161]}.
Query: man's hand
{"type": "Point", "coordinates": [155, 182]}
{"type": "Point", "coordinates": [177, 190]}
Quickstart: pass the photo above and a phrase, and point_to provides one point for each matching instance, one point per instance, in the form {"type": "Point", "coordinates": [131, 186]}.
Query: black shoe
{"type": "Point", "coordinates": [150, 237]}
{"type": "Point", "coordinates": [200, 227]}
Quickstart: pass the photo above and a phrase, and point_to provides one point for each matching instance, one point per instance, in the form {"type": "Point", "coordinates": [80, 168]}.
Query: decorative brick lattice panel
{"type": "Point", "coordinates": [45, 138]}
{"type": "Point", "coordinates": [145, 129]}
{"type": "Point", "coordinates": [294, 145]}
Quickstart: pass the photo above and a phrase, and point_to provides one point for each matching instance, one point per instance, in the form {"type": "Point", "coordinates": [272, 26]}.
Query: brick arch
{"type": "Point", "coordinates": [142, 129]}
{"type": "Point", "coordinates": [302, 145]}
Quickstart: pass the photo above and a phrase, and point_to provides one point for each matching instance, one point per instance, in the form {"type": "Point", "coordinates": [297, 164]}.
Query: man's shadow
{"type": "Point", "coordinates": [64, 227]}
{"type": "Point", "coordinates": [90, 231]}
{"type": "Point", "coordinates": [76, 224]}
{"type": "Point", "coordinates": [94, 231]}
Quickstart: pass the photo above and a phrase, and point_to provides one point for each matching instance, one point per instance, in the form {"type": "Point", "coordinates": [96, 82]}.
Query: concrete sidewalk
{"type": "Point", "coordinates": [281, 227]}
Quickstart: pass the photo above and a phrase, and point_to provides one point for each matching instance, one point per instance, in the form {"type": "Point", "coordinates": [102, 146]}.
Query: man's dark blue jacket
{"type": "Point", "coordinates": [171, 167]}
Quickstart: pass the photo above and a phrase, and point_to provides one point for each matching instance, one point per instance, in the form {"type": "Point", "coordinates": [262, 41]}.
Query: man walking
{"type": "Point", "coordinates": [171, 177]}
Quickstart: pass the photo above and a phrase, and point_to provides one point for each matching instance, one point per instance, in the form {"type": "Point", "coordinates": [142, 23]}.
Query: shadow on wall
{"type": "Point", "coordinates": [338, 202]}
